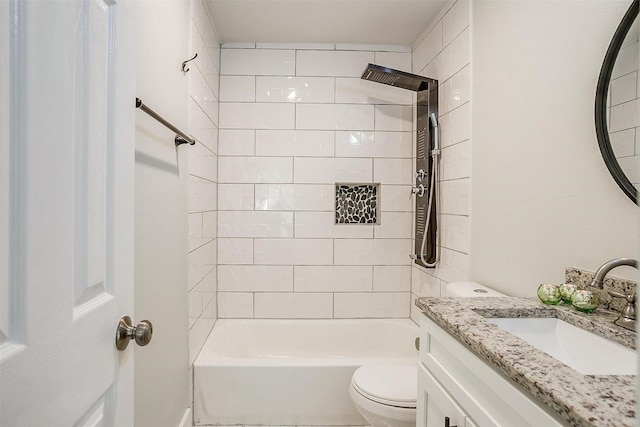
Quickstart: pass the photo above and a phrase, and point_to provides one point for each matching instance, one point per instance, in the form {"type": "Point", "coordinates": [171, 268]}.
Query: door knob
{"type": "Point", "coordinates": [126, 332]}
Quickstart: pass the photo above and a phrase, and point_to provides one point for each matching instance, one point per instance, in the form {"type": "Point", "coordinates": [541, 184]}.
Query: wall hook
{"type": "Point", "coordinates": [184, 64]}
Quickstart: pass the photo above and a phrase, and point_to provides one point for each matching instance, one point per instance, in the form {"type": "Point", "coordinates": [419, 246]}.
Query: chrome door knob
{"type": "Point", "coordinates": [126, 332]}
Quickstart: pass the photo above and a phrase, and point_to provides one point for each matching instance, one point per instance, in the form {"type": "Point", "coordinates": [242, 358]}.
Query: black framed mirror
{"type": "Point", "coordinates": [616, 126]}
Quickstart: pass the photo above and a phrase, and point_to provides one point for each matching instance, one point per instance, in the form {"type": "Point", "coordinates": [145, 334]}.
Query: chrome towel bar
{"type": "Point", "coordinates": [181, 137]}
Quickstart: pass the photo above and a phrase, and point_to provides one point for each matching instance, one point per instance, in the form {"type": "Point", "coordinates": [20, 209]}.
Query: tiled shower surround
{"type": "Point", "coordinates": [443, 52]}
{"type": "Point", "coordinates": [294, 121]}
{"type": "Point", "coordinates": [203, 118]}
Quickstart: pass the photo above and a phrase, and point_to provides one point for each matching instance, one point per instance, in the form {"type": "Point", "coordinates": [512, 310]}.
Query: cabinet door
{"type": "Point", "coordinates": [434, 404]}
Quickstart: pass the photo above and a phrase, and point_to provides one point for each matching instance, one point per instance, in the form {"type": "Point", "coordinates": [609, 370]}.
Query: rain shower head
{"type": "Point", "coordinates": [391, 77]}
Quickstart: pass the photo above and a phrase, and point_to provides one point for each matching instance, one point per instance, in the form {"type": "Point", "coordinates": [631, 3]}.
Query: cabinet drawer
{"type": "Point", "coordinates": [488, 397]}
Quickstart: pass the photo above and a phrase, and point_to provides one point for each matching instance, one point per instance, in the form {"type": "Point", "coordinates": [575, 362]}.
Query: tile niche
{"type": "Point", "coordinates": [357, 203]}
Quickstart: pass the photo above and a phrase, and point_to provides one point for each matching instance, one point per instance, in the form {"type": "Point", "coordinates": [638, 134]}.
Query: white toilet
{"type": "Point", "coordinates": [469, 289]}
{"type": "Point", "coordinates": [386, 395]}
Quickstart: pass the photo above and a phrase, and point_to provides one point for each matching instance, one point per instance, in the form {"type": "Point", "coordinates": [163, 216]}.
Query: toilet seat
{"type": "Point", "coordinates": [391, 385]}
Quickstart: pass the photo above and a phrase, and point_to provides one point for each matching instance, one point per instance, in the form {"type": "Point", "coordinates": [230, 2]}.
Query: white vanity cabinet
{"type": "Point", "coordinates": [435, 404]}
{"type": "Point", "coordinates": [453, 382]}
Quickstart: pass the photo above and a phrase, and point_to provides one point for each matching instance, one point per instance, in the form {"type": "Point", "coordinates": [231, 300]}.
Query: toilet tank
{"type": "Point", "coordinates": [469, 289]}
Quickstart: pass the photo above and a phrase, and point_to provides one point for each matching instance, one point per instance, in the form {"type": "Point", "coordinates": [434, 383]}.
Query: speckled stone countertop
{"type": "Point", "coordinates": [580, 400]}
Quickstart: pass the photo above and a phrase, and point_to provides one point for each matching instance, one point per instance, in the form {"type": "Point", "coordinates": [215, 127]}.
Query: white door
{"type": "Point", "coordinates": [66, 211]}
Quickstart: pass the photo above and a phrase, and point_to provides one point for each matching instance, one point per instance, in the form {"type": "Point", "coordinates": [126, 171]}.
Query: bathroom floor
{"type": "Point", "coordinates": [239, 425]}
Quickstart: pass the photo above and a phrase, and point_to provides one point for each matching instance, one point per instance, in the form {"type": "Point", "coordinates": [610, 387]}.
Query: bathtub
{"type": "Point", "coordinates": [292, 372]}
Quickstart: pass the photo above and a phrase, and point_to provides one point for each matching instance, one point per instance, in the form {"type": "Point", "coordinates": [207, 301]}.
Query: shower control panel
{"type": "Point", "coordinates": [425, 233]}
{"type": "Point", "coordinates": [426, 146]}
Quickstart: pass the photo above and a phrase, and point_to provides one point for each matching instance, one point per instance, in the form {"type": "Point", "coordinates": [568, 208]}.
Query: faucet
{"type": "Point", "coordinates": [608, 266]}
{"type": "Point", "coordinates": [627, 318]}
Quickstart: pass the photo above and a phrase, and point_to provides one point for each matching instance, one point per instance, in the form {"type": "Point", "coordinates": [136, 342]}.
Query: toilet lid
{"type": "Point", "coordinates": [394, 385]}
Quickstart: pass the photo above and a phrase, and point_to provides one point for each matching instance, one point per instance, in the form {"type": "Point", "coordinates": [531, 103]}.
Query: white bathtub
{"type": "Point", "coordinates": [292, 372]}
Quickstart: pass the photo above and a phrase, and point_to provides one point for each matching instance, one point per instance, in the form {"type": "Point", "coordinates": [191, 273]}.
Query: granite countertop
{"type": "Point", "coordinates": [580, 400]}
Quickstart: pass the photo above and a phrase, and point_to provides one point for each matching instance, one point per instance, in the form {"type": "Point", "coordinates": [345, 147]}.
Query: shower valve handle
{"type": "Point", "coordinates": [419, 190]}
{"type": "Point", "coordinates": [421, 175]}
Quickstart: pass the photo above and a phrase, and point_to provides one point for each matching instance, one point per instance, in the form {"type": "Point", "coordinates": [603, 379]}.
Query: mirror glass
{"type": "Point", "coordinates": [618, 105]}
{"type": "Point", "coordinates": [622, 107]}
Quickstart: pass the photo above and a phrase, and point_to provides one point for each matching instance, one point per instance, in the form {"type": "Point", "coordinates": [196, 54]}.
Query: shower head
{"type": "Point", "coordinates": [391, 77]}
{"type": "Point", "coordinates": [436, 135]}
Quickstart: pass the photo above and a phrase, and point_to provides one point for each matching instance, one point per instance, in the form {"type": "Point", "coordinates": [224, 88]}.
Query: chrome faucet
{"type": "Point", "coordinates": [608, 266]}
{"type": "Point", "coordinates": [627, 318]}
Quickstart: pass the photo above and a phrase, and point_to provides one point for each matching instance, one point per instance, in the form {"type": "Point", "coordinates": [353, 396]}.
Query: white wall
{"type": "Point", "coordinates": [294, 120]}
{"type": "Point", "coordinates": [524, 190]}
{"type": "Point", "coordinates": [542, 198]}
{"type": "Point", "coordinates": [443, 52]}
{"type": "Point", "coordinates": [4, 173]}
{"type": "Point", "coordinates": [162, 367]}
{"type": "Point", "coordinates": [203, 77]}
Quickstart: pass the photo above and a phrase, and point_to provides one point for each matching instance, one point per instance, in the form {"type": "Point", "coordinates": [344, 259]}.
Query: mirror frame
{"type": "Point", "coordinates": [602, 89]}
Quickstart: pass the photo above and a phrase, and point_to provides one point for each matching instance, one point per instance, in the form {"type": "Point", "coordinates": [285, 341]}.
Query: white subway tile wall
{"type": "Point", "coordinates": [258, 62]}
{"type": "Point", "coordinates": [203, 177]}
{"type": "Point", "coordinates": [443, 53]}
{"type": "Point", "coordinates": [332, 279]}
{"type": "Point", "coordinates": [296, 119]}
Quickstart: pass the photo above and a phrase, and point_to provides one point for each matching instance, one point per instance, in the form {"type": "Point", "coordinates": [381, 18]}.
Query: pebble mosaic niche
{"type": "Point", "coordinates": [357, 203]}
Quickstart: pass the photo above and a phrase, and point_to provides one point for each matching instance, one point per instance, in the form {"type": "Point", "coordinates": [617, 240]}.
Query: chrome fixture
{"type": "Point", "coordinates": [426, 250]}
{"type": "Point", "coordinates": [397, 78]}
{"type": "Point", "coordinates": [608, 266]}
{"type": "Point", "coordinates": [181, 137]}
{"type": "Point", "coordinates": [436, 136]}
{"type": "Point", "coordinates": [433, 195]}
{"type": "Point", "coordinates": [126, 332]}
{"type": "Point", "coordinates": [417, 190]}
{"type": "Point", "coordinates": [627, 318]}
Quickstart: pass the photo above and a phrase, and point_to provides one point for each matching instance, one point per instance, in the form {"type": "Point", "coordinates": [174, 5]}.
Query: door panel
{"type": "Point", "coordinates": [93, 69]}
{"type": "Point", "coordinates": [436, 403]}
{"type": "Point", "coordinates": [66, 233]}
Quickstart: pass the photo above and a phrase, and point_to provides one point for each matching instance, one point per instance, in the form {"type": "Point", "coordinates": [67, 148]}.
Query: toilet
{"type": "Point", "coordinates": [469, 289]}
{"type": "Point", "coordinates": [386, 395]}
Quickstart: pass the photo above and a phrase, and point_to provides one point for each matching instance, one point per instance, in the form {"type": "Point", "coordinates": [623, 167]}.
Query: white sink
{"type": "Point", "coordinates": [584, 351]}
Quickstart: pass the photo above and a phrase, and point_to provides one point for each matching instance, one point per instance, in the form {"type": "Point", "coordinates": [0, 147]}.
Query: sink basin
{"type": "Point", "coordinates": [584, 351]}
